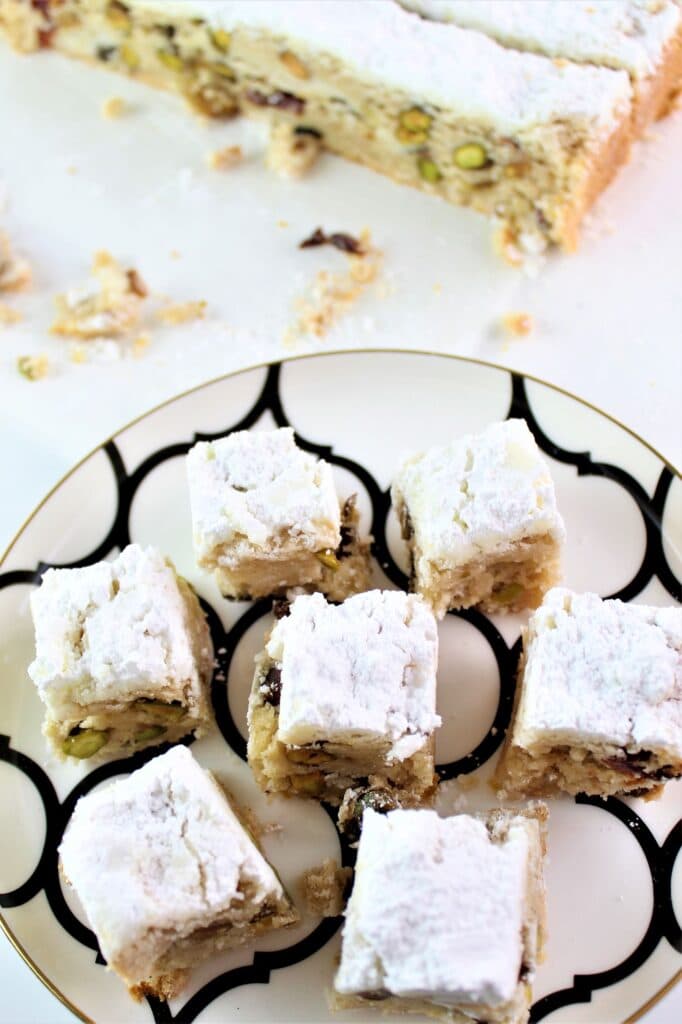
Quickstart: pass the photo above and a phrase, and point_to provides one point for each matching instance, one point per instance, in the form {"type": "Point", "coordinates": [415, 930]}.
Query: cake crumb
{"type": "Point", "coordinates": [109, 309]}
{"type": "Point", "coordinates": [333, 293]}
{"type": "Point", "coordinates": [293, 151]}
{"type": "Point", "coordinates": [282, 223]}
{"type": "Point", "coordinates": [140, 345]}
{"type": "Point", "coordinates": [438, 288]}
{"type": "Point", "coordinates": [33, 367]}
{"type": "Point", "coordinates": [8, 315]}
{"type": "Point", "coordinates": [519, 325]}
{"type": "Point", "coordinates": [324, 888]}
{"type": "Point", "coordinates": [226, 158]}
{"type": "Point", "coordinates": [71, 169]}
{"type": "Point", "coordinates": [183, 312]}
{"type": "Point", "coordinates": [175, 254]}
{"type": "Point", "coordinates": [77, 353]}
{"type": "Point", "coordinates": [113, 108]}
{"type": "Point", "coordinates": [15, 272]}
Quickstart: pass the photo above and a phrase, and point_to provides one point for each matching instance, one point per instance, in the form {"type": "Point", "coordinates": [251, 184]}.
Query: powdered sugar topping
{"type": "Point", "coordinates": [366, 667]}
{"type": "Point", "coordinates": [115, 629]}
{"type": "Point", "coordinates": [437, 909]}
{"type": "Point", "coordinates": [478, 494]}
{"type": "Point", "coordinates": [603, 671]}
{"type": "Point", "coordinates": [257, 489]}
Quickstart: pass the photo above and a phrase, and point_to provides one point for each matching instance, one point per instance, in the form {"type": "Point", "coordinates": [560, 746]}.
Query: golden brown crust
{"type": "Point", "coordinates": [659, 96]}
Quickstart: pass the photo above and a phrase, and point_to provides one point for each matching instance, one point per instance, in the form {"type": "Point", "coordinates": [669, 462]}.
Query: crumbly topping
{"type": "Point", "coordinates": [479, 493]}
{"type": "Point", "coordinates": [366, 667]}
{"type": "Point", "coordinates": [257, 489]}
{"type": "Point", "coordinates": [15, 272]}
{"type": "Point", "coordinates": [602, 672]}
{"type": "Point", "coordinates": [109, 308]}
{"type": "Point", "coordinates": [226, 158]}
{"type": "Point", "coordinates": [292, 152]}
{"type": "Point", "coordinates": [622, 34]}
{"type": "Point", "coordinates": [157, 855]}
{"type": "Point", "coordinates": [437, 909]}
{"type": "Point", "coordinates": [117, 630]}
{"type": "Point", "coordinates": [380, 42]}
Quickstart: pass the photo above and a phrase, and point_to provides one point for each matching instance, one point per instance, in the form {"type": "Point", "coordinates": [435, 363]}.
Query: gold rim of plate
{"type": "Point", "coordinates": [25, 956]}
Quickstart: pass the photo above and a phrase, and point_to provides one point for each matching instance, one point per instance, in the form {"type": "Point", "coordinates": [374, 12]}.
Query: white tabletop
{"type": "Point", "coordinates": [607, 320]}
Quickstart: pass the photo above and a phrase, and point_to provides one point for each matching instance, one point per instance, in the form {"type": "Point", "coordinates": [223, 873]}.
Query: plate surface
{"type": "Point", "coordinates": [614, 884]}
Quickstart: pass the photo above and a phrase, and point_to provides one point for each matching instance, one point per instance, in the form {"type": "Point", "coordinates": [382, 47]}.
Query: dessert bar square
{"type": "Point", "coordinates": [481, 521]}
{"type": "Point", "coordinates": [446, 916]}
{"type": "Point", "coordinates": [123, 656]}
{"type": "Point", "coordinates": [599, 700]}
{"type": "Point", "coordinates": [266, 518]}
{"type": "Point", "coordinates": [167, 874]}
{"type": "Point", "coordinates": [438, 107]}
{"type": "Point", "coordinates": [346, 694]}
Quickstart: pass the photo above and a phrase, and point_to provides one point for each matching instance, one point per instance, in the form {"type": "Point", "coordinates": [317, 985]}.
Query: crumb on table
{"type": "Point", "coordinates": [518, 324]}
{"type": "Point", "coordinates": [109, 309]}
{"type": "Point", "coordinates": [33, 367]}
{"type": "Point", "coordinates": [113, 107]}
{"type": "Point", "coordinates": [293, 151]}
{"type": "Point", "coordinates": [332, 294]}
{"type": "Point", "coordinates": [15, 272]}
{"type": "Point", "coordinates": [183, 312]}
{"type": "Point", "coordinates": [324, 888]}
{"type": "Point", "coordinates": [8, 315]}
{"type": "Point", "coordinates": [226, 158]}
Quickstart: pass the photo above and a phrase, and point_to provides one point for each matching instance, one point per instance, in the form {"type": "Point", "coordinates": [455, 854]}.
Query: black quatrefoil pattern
{"type": "Point", "coordinates": [660, 858]}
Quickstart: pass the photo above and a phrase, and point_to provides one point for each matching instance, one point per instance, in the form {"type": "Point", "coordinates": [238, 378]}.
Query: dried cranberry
{"type": "Point", "coordinates": [271, 687]}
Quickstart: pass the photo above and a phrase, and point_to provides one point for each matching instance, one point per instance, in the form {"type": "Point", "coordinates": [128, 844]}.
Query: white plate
{"type": "Point", "coordinates": [615, 890]}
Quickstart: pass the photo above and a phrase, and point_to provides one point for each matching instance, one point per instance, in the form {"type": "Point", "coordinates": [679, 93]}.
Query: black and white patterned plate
{"type": "Point", "coordinates": [614, 875]}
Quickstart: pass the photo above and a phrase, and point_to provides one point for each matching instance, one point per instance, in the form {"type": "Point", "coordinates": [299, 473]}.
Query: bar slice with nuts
{"type": "Point", "coordinates": [480, 520]}
{"type": "Point", "coordinates": [599, 700]}
{"type": "Point", "coordinates": [168, 874]}
{"type": "Point", "coordinates": [266, 517]}
{"type": "Point", "coordinates": [517, 136]}
{"type": "Point", "coordinates": [447, 916]}
{"type": "Point", "coordinates": [123, 656]}
{"type": "Point", "coordinates": [345, 696]}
